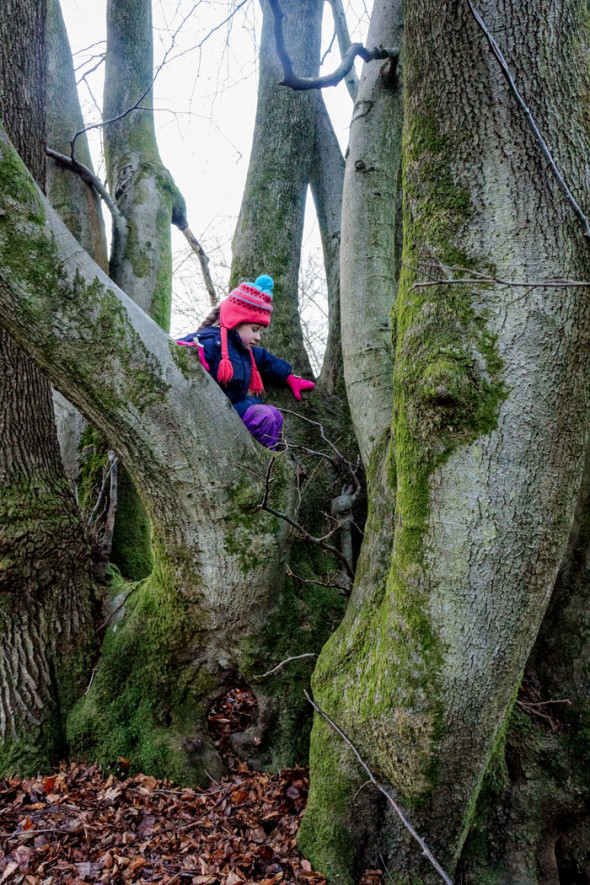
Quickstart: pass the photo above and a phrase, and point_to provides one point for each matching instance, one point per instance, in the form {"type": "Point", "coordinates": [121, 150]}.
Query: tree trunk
{"type": "Point", "coordinates": [371, 259]}
{"type": "Point", "coordinates": [149, 201]}
{"type": "Point", "coordinates": [45, 582]}
{"type": "Point", "coordinates": [537, 786]}
{"type": "Point", "coordinates": [490, 429]}
{"type": "Point", "coordinates": [213, 612]}
{"type": "Point", "coordinates": [77, 203]}
{"type": "Point", "coordinates": [270, 226]}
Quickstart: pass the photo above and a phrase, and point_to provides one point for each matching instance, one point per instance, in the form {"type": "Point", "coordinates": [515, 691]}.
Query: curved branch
{"type": "Point", "coordinates": [94, 181]}
{"type": "Point", "coordinates": [291, 79]}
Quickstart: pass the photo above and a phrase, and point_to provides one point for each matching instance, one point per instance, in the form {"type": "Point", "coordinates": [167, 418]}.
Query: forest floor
{"type": "Point", "coordinates": [79, 825]}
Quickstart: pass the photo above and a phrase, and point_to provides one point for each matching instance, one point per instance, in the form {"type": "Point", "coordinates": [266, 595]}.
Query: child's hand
{"type": "Point", "coordinates": [298, 384]}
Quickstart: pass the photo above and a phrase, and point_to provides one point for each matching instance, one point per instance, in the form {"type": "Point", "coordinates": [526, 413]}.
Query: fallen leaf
{"type": "Point", "coordinates": [9, 870]}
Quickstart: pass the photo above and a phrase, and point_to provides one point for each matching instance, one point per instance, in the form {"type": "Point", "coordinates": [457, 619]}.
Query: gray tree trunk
{"type": "Point", "coordinates": [371, 236]}
{"type": "Point", "coordinates": [146, 196]}
{"type": "Point", "coordinates": [46, 640]}
{"type": "Point", "coordinates": [490, 429]}
{"type": "Point", "coordinates": [270, 226]}
{"type": "Point", "coordinates": [212, 613]}
{"type": "Point", "coordinates": [77, 203]}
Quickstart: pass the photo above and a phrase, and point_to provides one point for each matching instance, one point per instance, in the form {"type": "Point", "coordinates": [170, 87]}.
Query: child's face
{"type": "Point", "coordinates": [250, 334]}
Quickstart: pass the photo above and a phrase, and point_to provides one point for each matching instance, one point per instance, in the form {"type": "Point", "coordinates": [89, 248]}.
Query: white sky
{"type": "Point", "coordinates": [205, 102]}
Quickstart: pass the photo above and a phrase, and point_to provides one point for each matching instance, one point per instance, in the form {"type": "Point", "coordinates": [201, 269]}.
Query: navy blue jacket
{"type": "Point", "coordinates": [271, 368]}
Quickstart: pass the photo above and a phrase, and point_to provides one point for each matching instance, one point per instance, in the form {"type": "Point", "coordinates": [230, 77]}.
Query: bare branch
{"type": "Point", "coordinates": [204, 262]}
{"type": "Point", "coordinates": [94, 181]}
{"type": "Point", "coordinates": [106, 542]}
{"type": "Point", "coordinates": [112, 465]}
{"type": "Point", "coordinates": [302, 83]}
{"type": "Point", "coordinates": [530, 120]}
{"type": "Point", "coordinates": [136, 106]}
{"type": "Point", "coordinates": [331, 585]}
{"type": "Point", "coordinates": [383, 791]}
{"type": "Point", "coordinates": [309, 654]}
{"type": "Point", "coordinates": [339, 455]}
{"type": "Point", "coordinates": [341, 28]}
{"type": "Point", "coordinates": [320, 542]}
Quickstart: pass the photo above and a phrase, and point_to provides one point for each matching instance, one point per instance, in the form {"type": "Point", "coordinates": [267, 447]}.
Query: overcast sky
{"type": "Point", "coordinates": [205, 101]}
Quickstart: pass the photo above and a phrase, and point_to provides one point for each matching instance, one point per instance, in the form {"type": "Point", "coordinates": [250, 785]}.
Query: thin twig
{"type": "Point", "coordinates": [302, 83]}
{"type": "Point", "coordinates": [329, 443]}
{"type": "Point", "coordinates": [382, 790]}
{"type": "Point", "coordinates": [309, 654]}
{"type": "Point", "coordinates": [489, 281]}
{"type": "Point", "coordinates": [204, 262]}
{"type": "Point", "coordinates": [328, 584]}
{"type": "Point", "coordinates": [530, 120]}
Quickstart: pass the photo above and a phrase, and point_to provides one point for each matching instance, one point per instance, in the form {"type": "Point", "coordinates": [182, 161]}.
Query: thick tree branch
{"type": "Point", "coordinates": [383, 791]}
{"type": "Point", "coordinates": [104, 353]}
{"type": "Point", "coordinates": [530, 120]}
{"type": "Point", "coordinates": [94, 181]}
{"type": "Point", "coordinates": [302, 83]}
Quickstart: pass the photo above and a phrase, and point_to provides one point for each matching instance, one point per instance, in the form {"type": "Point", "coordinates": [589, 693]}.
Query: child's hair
{"type": "Point", "coordinates": [212, 319]}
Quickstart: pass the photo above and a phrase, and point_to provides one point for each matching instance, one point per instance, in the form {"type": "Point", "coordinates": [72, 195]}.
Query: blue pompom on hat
{"type": "Point", "coordinates": [265, 284]}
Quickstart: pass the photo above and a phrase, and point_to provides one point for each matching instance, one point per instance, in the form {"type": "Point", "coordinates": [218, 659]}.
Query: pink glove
{"type": "Point", "coordinates": [200, 350]}
{"type": "Point", "coordinates": [204, 362]}
{"type": "Point", "coordinates": [298, 384]}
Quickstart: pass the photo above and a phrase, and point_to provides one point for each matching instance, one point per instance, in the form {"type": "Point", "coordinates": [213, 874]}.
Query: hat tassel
{"type": "Point", "coordinates": [225, 371]}
{"type": "Point", "coordinates": [256, 386]}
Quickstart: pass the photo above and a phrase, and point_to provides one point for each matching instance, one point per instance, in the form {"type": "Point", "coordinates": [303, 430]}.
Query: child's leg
{"type": "Point", "coordinates": [264, 423]}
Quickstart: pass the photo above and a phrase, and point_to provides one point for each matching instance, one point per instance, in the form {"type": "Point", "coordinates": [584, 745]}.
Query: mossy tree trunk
{"type": "Point", "coordinates": [490, 430]}
{"type": "Point", "coordinates": [205, 618]}
{"type": "Point", "coordinates": [149, 201]}
{"type": "Point", "coordinates": [532, 824]}
{"type": "Point", "coordinates": [46, 590]}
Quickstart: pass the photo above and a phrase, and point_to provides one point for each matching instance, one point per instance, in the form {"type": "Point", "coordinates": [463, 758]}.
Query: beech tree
{"type": "Point", "coordinates": [472, 421]}
{"type": "Point", "coordinates": [47, 592]}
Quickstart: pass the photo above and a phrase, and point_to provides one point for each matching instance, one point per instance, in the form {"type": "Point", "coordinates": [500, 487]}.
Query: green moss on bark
{"type": "Point", "coordinates": [148, 702]}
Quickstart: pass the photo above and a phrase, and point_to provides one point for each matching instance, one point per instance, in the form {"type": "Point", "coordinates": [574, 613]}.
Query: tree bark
{"type": "Point", "coordinates": [371, 260]}
{"type": "Point", "coordinates": [149, 201]}
{"type": "Point", "coordinates": [46, 588]}
{"type": "Point", "coordinates": [77, 203]}
{"type": "Point", "coordinates": [490, 429]}
{"type": "Point", "coordinates": [209, 615]}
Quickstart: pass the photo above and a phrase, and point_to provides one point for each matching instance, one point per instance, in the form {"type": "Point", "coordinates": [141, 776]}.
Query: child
{"type": "Point", "coordinates": [228, 348]}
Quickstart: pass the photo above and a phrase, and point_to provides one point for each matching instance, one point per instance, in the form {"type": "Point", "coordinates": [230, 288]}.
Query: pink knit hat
{"type": "Point", "coordinates": [248, 303]}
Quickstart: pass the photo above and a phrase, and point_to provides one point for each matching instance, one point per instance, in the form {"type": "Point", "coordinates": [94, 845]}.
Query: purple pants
{"type": "Point", "coordinates": [264, 423]}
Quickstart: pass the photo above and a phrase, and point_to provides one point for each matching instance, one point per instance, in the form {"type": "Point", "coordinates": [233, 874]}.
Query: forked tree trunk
{"type": "Point", "coordinates": [213, 612]}
{"type": "Point", "coordinates": [46, 640]}
{"type": "Point", "coordinates": [490, 428]}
